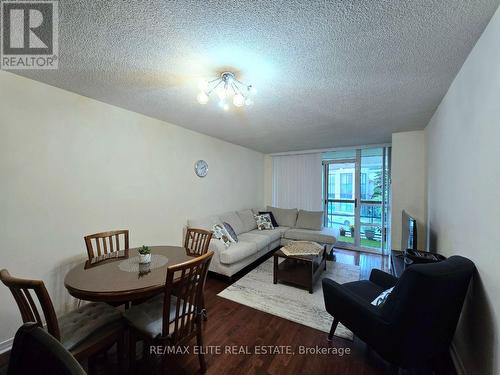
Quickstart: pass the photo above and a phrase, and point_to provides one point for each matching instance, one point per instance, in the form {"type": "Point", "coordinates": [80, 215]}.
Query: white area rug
{"type": "Point", "coordinates": [256, 289]}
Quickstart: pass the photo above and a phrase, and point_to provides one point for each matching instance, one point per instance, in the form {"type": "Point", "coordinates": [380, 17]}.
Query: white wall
{"type": "Point", "coordinates": [268, 180]}
{"type": "Point", "coordinates": [408, 184]}
{"type": "Point", "coordinates": [464, 194]}
{"type": "Point", "coordinates": [72, 166]}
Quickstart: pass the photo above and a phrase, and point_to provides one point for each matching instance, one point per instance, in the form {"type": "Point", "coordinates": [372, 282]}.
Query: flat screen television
{"type": "Point", "coordinates": [408, 232]}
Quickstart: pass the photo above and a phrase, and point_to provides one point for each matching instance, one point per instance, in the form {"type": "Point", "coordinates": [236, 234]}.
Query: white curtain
{"type": "Point", "coordinates": [297, 182]}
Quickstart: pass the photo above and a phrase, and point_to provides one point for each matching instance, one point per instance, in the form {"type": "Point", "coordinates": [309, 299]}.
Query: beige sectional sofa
{"type": "Point", "coordinates": [253, 243]}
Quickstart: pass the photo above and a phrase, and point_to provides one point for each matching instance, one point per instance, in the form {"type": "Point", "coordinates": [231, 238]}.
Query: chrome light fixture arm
{"type": "Point", "coordinates": [226, 85]}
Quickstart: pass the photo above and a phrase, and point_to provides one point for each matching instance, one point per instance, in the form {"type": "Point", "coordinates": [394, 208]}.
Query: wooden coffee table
{"type": "Point", "coordinates": [300, 270]}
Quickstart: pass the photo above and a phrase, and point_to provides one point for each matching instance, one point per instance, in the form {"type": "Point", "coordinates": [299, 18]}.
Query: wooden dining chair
{"type": "Point", "coordinates": [174, 317]}
{"type": "Point", "coordinates": [196, 241]}
{"type": "Point", "coordinates": [106, 242]}
{"type": "Point", "coordinates": [85, 331]}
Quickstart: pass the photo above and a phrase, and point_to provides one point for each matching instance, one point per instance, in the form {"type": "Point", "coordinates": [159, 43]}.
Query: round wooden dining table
{"type": "Point", "coordinates": [119, 277]}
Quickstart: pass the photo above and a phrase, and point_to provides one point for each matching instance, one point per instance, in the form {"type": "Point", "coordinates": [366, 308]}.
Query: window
{"type": "Point", "coordinates": [364, 186]}
{"type": "Point", "coordinates": [346, 208]}
{"type": "Point", "coordinates": [331, 186]}
{"type": "Point", "coordinates": [346, 185]}
{"type": "Point", "coordinates": [341, 171]}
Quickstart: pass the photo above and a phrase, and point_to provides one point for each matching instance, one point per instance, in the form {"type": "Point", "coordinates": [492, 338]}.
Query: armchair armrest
{"type": "Point", "coordinates": [382, 279]}
{"type": "Point", "coordinates": [349, 308]}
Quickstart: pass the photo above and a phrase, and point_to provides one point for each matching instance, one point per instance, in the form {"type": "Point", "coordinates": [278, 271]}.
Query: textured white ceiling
{"type": "Point", "coordinates": [328, 73]}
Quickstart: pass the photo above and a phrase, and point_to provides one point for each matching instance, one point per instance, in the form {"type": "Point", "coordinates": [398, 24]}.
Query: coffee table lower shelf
{"type": "Point", "coordinates": [303, 271]}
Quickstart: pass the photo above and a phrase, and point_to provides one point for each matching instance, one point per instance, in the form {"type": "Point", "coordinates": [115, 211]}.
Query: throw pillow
{"type": "Point", "coordinates": [380, 300]}
{"type": "Point", "coordinates": [221, 234]}
{"type": "Point", "coordinates": [264, 222]}
{"type": "Point", "coordinates": [230, 231]}
{"type": "Point", "coordinates": [273, 220]}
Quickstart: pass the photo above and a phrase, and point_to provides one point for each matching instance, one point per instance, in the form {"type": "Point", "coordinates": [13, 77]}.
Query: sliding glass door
{"type": "Point", "coordinates": [355, 197]}
{"type": "Point", "coordinates": [340, 198]}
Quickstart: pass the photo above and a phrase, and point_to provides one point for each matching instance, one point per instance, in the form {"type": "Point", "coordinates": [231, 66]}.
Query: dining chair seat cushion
{"type": "Point", "coordinates": [147, 317]}
{"type": "Point", "coordinates": [81, 323]}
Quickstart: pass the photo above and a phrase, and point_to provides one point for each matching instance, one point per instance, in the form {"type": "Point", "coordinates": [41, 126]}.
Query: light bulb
{"type": "Point", "coordinates": [202, 98]}
{"type": "Point", "coordinates": [223, 105]}
{"type": "Point", "coordinates": [203, 85]}
{"type": "Point", "coordinates": [248, 101]}
{"type": "Point", "coordinates": [238, 100]}
{"type": "Point", "coordinates": [221, 92]}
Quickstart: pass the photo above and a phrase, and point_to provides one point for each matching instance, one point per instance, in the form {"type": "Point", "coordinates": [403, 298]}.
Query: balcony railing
{"type": "Point", "coordinates": [341, 215]}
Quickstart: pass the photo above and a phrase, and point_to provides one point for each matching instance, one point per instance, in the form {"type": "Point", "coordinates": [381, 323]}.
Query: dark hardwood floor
{"type": "Point", "coordinates": [237, 327]}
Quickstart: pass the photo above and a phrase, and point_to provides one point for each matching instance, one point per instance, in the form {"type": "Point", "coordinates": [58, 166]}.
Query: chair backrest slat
{"type": "Point", "coordinates": [190, 279]}
{"type": "Point", "coordinates": [32, 305]}
{"type": "Point", "coordinates": [20, 289]}
{"type": "Point", "coordinates": [191, 300]}
{"type": "Point", "coordinates": [107, 245]}
{"type": "Point", "coordinates": [26, 313]}
{"type": "Point", "coordinates": [197, 241]}
{"type": "Point", "coordinates": [98, 248]}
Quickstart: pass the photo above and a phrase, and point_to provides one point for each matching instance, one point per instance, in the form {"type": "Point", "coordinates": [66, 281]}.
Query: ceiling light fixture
{"type": "Point", "coordinates": [226, 86]}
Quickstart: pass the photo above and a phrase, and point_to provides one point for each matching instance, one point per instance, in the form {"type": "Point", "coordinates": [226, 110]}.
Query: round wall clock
{"type": "Point", "coordinates": [201, 168]}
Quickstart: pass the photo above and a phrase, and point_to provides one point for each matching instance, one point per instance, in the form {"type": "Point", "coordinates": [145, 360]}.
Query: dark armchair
{"type": "Point", "coordinates": [417, 321]}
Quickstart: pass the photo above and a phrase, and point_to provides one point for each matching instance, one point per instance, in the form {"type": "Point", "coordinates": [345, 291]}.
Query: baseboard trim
{"type": "Point", "coordinates": [6, 345]}
{"type": "Point", "coordinates": [457, 362]}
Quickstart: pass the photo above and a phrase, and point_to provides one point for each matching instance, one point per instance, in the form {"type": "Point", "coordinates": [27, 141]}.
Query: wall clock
{"type": "Point", "coordinates": [201, 168]}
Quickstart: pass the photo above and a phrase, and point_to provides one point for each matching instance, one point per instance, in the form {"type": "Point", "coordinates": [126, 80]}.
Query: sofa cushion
{"type": "Point", "coordinates": [247, 219]}
{"type": "Point", "coordinates": [284, 217]}
{"type": "Point", "coordinates": [79, 324]}
{"type": "Point", "coordinates": [206, 223]}
{"type": "Point", "coordinates": [273, 234]}
{"type": "Point", "coordinates": [310, 220]}
{"type": "Point", "coordinates": [260, 241]}
{"type": "Point", "coordinates": [234, 220]}
{"type": "Point", "coordinates": [237, 251]}
{"type": "Point", "coordinates": [326, 235]}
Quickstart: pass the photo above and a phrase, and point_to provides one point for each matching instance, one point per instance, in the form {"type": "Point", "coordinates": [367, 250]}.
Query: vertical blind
{"type": "Point", "coordinates": [297, 181]}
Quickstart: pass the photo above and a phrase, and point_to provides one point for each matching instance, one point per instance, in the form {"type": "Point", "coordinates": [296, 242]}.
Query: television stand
{"type": "Point", "coordinates": [399, 261]}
